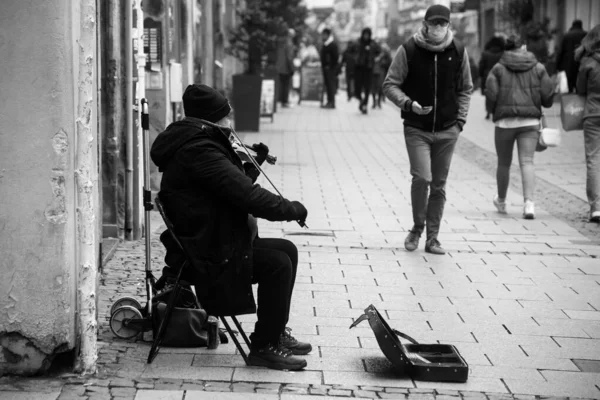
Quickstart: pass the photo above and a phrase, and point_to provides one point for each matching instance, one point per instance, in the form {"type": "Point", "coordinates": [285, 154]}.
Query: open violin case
{"type": "Point", "coordinates": [422, 362]}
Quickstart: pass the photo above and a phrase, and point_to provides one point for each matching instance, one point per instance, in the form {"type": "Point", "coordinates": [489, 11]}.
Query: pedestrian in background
{"type": "Point", "coordinates": [349, 64]}
{"type": "Point", "coordinates": [382, 64]}
{"type": "Point", "coordinates": [430, 81]}
{"type": "Point", "coordinates": [329, 65]}
{"type": "Point", "coordinates": [368, 50]}
{"type": "Point", "coordinates": [491, 55]}
{"type": "Point", "coordinates": [588, 85]}
{"type": "Point", "coordinates": [566, 54]}
{"type": "Point", "coordinates": [285, 66]}
{"type": "Point", "coordinates": [516, 89]}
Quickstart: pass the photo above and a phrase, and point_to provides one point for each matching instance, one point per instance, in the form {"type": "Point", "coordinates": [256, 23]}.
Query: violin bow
{"type": "Point", "coordinates": [235, 135]}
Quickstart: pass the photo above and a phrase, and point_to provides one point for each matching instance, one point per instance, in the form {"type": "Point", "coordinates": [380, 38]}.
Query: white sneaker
{"type": "Point", "coordinates": [595, 216]}
{"type": "Point", "coordinates": [529, 210]}
{"type": "Point", "coordinates": [500, 205]}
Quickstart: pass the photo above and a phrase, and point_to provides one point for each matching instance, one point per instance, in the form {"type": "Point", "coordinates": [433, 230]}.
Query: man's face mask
{"type": "Point", "coordinates": [437, 29]}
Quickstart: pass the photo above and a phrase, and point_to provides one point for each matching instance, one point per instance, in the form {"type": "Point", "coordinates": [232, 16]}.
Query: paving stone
{"type": "Point", "coordinates": [100, 390]}
{"type": "Point", "coordinates": [297, 390]}
{"type": "Point", "coordinates": [123, 391]}
{"type": "Point", "coordinates": [395, 396]}
{"type": "Point", "coordinates": [243, 387]}
{"type": "Point", "coordinates": [144, 385]}
{"type": "Point", "coordinates": [339, 392]}
{"type": "Point", "coordinates": [365, 394]}
{"type": "Point", "coordinates": [159, 395]}
{"type": "Point", "coordinates": [121, 383]}
{"type": "Point", "coordinates": [267, 375]}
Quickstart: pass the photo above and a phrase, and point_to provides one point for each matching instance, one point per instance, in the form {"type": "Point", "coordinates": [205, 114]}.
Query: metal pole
{"type": "Point", "coordinates": [129, 208]}
{"type": "Point", "coordinates": [147, 196]}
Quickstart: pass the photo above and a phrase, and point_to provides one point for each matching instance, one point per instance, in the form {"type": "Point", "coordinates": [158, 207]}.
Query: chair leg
{"type": "Point", "coordinates": [239, 327]}
{"type": "Point", "coordinates": [235, 340]}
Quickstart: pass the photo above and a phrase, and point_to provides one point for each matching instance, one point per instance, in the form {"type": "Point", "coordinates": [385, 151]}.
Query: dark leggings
{"type": "Point", "coordinates": [275, 264]}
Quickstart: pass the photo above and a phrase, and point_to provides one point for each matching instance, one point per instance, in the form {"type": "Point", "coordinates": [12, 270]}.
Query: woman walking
{"type": "Point", "coordinates": [516, 89]}
{"type": "Point", "coordinates": [588, 85]}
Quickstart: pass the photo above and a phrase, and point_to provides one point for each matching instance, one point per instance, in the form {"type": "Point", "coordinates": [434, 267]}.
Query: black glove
{"type": "Point", "coordinates": [300, 212]}
{"type": "Point", "coordinates": [262, 151]}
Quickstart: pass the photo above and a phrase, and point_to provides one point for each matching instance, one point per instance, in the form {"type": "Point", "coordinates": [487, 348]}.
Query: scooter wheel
{"type": "Point", "coordinates": [125, 301]}
{"type": "Point", "coordinates": [119, 320]}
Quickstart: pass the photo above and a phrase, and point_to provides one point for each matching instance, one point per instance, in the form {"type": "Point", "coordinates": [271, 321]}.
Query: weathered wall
{"type": "Point", "coordinates": [42, 209]}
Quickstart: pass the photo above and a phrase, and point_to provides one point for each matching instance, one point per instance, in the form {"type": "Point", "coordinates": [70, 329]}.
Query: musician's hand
{"type": "Point", "coordinates": [418, 109]}
{"type": "Point", "coordinates": [262, 151]}
{"type": "Point", "coordinates": [300, 212]}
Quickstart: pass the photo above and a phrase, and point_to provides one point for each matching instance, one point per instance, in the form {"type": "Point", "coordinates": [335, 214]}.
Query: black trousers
{"type": "Point", "coordinates": [330, 81]}
{"type": "Point", "coordinates": [275, 264]}
{"type": "Point", "coordinates": [285, 81]}
{"type": "Point", "coordinates": [363, 78]}
{"type": "Point", "coordinates": [350, 84]}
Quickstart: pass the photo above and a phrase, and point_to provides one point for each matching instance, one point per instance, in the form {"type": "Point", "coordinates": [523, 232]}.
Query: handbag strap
{"type": "Point", "coordinates": [405, 336]}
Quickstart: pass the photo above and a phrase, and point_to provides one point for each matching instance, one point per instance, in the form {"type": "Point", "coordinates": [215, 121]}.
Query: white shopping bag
{"type": "Point", "coordinates": [562, 86]}
{"type": "Point", "coordinates": [550, 137]}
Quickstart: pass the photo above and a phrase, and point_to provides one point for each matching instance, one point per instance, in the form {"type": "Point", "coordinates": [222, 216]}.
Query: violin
{"type": "Point", "coordinates": [255, 150]}
{"type": "Point", "coordinates": [259, 148]}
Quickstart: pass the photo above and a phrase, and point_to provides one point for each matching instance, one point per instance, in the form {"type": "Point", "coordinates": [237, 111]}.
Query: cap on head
{"type": "Point", "coordinates": [204, 102]}
{"type": "Point", "coordinates": [437, 11]}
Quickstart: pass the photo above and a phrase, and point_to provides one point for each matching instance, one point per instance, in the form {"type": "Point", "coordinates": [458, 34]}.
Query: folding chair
{"type": "Point", "coordinates": [175, 293]}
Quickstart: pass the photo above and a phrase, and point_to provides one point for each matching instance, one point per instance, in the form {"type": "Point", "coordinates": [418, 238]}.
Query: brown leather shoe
{"type": "Point", "coordinates": [433, 246]}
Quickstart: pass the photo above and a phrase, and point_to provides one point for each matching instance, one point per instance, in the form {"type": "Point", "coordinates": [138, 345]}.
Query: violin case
{"type": "Point", "coordinates": [422, 362]}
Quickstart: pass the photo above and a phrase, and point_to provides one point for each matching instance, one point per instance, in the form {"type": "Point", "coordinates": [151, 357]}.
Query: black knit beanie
{"type": "Point", "coordinates": [201, 101]}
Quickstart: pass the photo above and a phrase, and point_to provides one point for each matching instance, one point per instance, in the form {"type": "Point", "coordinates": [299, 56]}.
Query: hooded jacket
{"type": "Point", "coordinates": [368, 50]}
{"type": "Point", "coordinates": [207, 197]}
{"type": "Point", "coordinates": [518, 86]}
{"type": "Point", "coordinates": [588, 84]}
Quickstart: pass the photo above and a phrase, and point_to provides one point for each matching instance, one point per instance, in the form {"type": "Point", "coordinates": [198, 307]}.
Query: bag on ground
{"type": "Point", "coordinates": [571, 112]}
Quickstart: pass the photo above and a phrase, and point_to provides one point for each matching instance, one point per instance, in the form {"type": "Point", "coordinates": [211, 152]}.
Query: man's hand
{"type": "Point", "coordinates": [262, 151]}
{"type": "Point", "coordinates": [300, 211]}
{"type": "Point", "coordinates": [418, 109]}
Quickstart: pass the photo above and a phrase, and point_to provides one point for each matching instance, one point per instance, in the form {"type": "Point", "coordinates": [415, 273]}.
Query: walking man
{"type": "Point", "coordinates": [329, 64]}
{"type": "Point", "coordinates": [368, 50]}
{"type": "Point", "coordinates": [285, 67]}
{"type": "Point", "coordinates": [566, 54]}
{"type": "Point", "coordinates": [430, 81]}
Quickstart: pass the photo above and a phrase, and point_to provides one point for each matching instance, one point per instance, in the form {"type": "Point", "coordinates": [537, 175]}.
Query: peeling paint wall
{"type": "Point", "coordinates": [45, 205]}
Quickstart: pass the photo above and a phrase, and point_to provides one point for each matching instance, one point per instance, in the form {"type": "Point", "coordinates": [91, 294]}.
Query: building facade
{"type": "Point", "coordinates": [73, 74]}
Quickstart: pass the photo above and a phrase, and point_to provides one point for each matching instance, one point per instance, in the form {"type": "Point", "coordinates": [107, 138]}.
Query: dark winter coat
{"type": "Point", "coordinates": [368, 50]}
{"type": "Point", "coordinates": [518, 86]}
{"type": "Point", "coordinates": [330, 56]}
{"type": "Point", "coordinates": [207, 197]}
{"type": "Point", "coordinates": [565, 59]}
{"type": "Point", "coordinates": [588, 84]}
{"type": "Point", "coordinates": [349, 59]}
{"type": "Point", "coordinates": [489, 58]}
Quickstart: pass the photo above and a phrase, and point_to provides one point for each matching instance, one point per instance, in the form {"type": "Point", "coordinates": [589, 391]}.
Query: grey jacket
{"type": "Point", "coordinates": [588, 84]}
{"type": "Point", "coordinates": [518, 86]}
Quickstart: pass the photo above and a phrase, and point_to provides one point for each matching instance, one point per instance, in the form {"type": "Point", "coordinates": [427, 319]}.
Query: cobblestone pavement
{"type": "Point", "coordinates": [519, 299]}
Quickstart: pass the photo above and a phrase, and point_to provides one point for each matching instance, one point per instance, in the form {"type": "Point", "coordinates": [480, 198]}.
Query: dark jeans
{"type": "Point", "coordinates": [275, 265]}
{"type": "Point", "coordinates": [285, 81]}
{"type": "Point", "coordinates": [526, 138]}
{"type": "Point", "coordinates": [362, 82]}
{"type": "Point", "coordinates": [430, 155]}
{"type": "Point", "coordinates": [350, 84]}
{"type": "Point", "coordinates": [330, 82]}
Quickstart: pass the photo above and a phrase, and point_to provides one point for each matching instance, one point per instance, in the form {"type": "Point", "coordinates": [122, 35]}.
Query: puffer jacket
{"type": "Point", "coordinates": [588, 84]}
{"type": "Point", "coordinates": [518, 86]}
